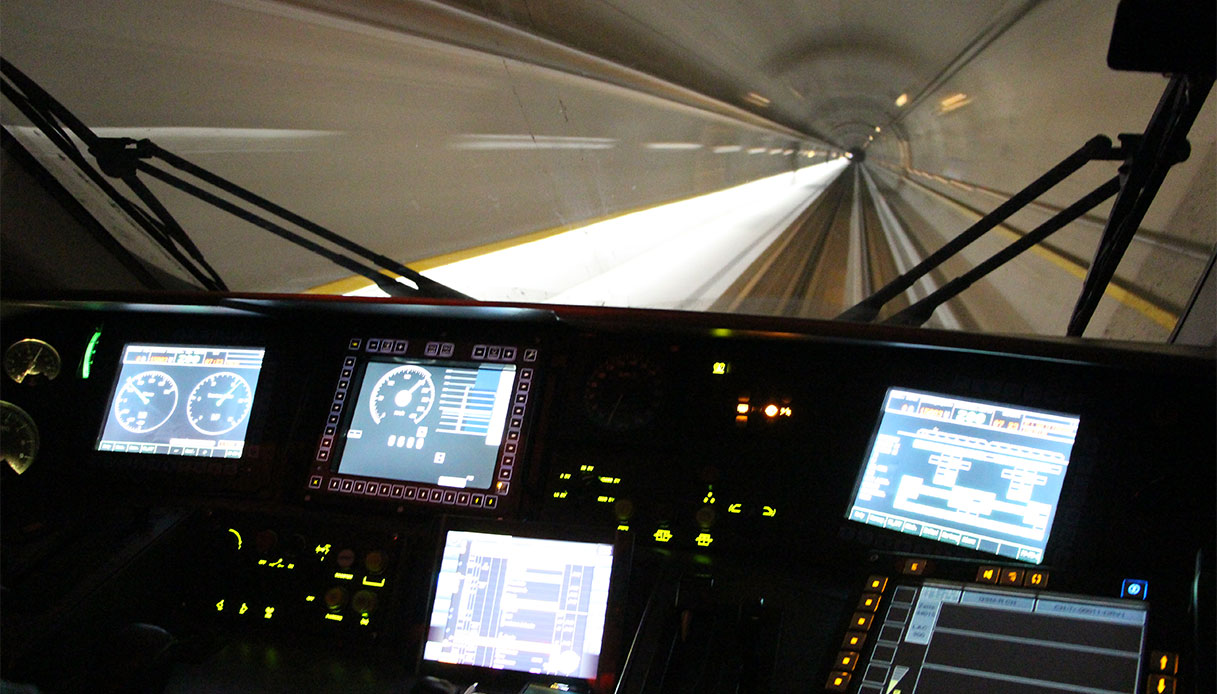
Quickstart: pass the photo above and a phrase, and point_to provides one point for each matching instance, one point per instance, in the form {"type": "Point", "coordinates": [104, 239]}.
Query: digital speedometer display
{"type": "Point", "coordinates": [440, 423]}
{"type": "Point", "coordinates": [186, 400]}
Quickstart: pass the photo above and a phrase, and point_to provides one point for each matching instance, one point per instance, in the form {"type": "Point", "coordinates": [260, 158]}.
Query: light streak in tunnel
{"type": "Point", "coordinates": [902, 100]}
{"type": "Point", "coordinates": [757, 99]}
{"type": "Point", "coordinates": [678, 255]}
{"type": "Point", "coordinates": [479, 142]}
{"type": "Point", "coordinates": [726, 149]}
{"type": "Point", "coordinates": [673, 146]}
{"type": "Point", "coordinates": [953, 102]}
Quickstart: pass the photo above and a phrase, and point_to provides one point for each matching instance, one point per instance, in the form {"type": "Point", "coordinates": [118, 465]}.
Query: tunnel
{"type": "Point", "coordinates": [462, 137]}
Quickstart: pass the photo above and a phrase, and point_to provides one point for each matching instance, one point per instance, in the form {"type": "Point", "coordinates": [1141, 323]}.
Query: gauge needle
{"type": "Point", "coordinates": [145, 397]}
{"type": "Point", "coordinates": [30, 369]}
{"type": "Point", "coordinates": [221, 398]}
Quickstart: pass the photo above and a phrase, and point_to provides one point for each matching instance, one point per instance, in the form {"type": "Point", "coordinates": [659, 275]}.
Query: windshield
{"type": "Point", "coordinates": [759, 157]}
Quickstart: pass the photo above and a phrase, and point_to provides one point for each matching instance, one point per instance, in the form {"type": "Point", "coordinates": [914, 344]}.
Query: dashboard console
{"type": "Point", "coordinates": [253, 493]}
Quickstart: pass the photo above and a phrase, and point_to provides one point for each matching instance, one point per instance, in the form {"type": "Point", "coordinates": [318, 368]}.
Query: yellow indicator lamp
{"type": "Point", "coordinates": [364, 621]}
{"type": "Point", "coordinates": [663, 535]}
{"type": "Point", "coordinates": [564, 476]}
{"type": "Point", "coordinates": [323, 550]}
{"type": "Point", "coordinates": [769, 512]}
{"type": "Point", "coordinates": [310, 598]}
{"type": "Point", "coordinates": [244, 608]}
{"type": "Point", "coordinates": [623, 527]}
{"type": "Point", "coordinates": [735, 508]}
{"type": "Point", "coordinates": [374, 584]}
{"type": "Point", "coordinates": [606, 499]}
{"type": "Point", "coordinates": [610, 480]}
{"type": "Point", "coordinates": [743, 408]}
{"type": "Point", "coordinates": [720, 368]}
{"type": "Point", "coordinates": [268, 613]}
{"type": "Point", "coordinates": [341, 575]}
{"type": "Point", "coordinates": [220, 606]}
{"type": "Point", "coordinates": [240, 543]}
{"type": "Point", "coordinates": [261, 562]}
{"type": "Point", "coordinates": [704, 540]}
{"type": "Point", "coordinates": [785, 411]}
{"type": "Point", "coordinates": [334, 617]}
{"type": "Point", "coordinates": [560, 495]}
{"type": "Point", "coordinates": [587, 468]}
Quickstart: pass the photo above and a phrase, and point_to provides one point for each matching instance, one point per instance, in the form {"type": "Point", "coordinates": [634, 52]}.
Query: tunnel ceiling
{"type": "Point", "coordinates": [830, 68]}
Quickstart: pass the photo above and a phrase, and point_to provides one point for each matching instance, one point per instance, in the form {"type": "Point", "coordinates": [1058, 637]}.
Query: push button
{"type": "Point", "coordinates": [1163, 662]}
{"type": "Point", "coordinates": [1036, 579]}
{"type": "Point", "coordinates": [914, 567]}
{"type": "Point", "coordinates": [1012, 577]}
{"type": "Point", "coordinates": [837, 682]}
{"type": "Point", "coordinates": [847, 660]}
{"type": "Point", "coordinates": [1160, 684]}
{"type": "Point", "coordinates": [988, 574]}
{"type": "Point", "coordinates": [853, 640]}
{"type": "Point", "coordinates": [869, 602]}
{"type": "Point", "coordinates": [861, 621]}
{"type": "Point", "coordinates": [876, 584]}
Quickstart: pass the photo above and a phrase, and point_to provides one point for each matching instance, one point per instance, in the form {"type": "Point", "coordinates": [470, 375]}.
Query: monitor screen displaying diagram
{"type": "Point", "coordinates": [976, 474]}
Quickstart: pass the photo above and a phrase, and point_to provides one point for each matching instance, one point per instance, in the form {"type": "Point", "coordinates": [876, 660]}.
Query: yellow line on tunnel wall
{"type": "Point", "coordinates": [1157, 314]}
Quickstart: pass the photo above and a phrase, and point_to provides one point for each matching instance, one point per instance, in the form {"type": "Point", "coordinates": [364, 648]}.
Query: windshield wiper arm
{"type": "Point", "coordinates": [122, 158]}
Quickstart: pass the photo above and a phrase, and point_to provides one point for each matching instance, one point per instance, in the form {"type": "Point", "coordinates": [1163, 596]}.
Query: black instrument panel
{"type": "Point", "coordinates": [722, 452]}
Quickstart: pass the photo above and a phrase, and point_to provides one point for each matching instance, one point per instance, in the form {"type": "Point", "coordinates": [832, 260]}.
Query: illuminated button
{"type": "Point", "coordinates": [837, 682]}
{"type": "Point", "coordinates": [869, 602]}
{"type": "Point", "coordinates": [1012, 577]}
{"type": "Point", "coordinates": [847, 660]}
{"type": "Point", "coordinates": [335, 598]}
{"type": "Point", "coordinates": [374, 561]}
{"type": "Point", "coordinates": [364, 602]}
{"type": "Point", "coordinates": [1160, 684]}
{"type": "Point", "coordinates": [853, 640]}
{"type": "Point", "coordinates": [768, 511]}
{"type": "Point", "coordinates": [704, 540]}
{"type": "Point", "coordinates": [988, 574]}
{"type": "Point", "coordinates": [1167, 663]}
{"type": "Point", "coordinates": [1135, 588]}
{"type": "Point", "coordinates": [771, 411]}
{"type": "Point", "coordinates": [719, 368]}
{"type": "Point", "coordinates": [861, 621]}
{"type": "Point", "coordinates": [735, 508]}
{"type": "Point", "coordinates": [876, 584]}
{"type": "Point", "coordinates": [1036, 579]}
{"type": "Point", "coordinates": [663, 535]}
{"type": "Point", "coordinates": [742, 408]}
{"type": "Point", "coordinates": [914, 567]}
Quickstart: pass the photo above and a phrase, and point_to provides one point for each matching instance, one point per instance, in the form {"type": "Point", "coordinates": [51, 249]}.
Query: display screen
{"type": "Point", "coordinates": [184, 400]}
{"type": "Point", "coordinates": [520, 603]}
{"type": "Point", "coordinates": [954, 637]}
{"type": "Point", "coordinates": [980, 475]}
{"type": "Point", "coordinates": [428, 421]}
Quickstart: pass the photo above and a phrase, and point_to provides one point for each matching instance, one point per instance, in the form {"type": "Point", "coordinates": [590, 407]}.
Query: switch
{"type": "Point", "coordinates": [1160, 684]}
{"type": "Point", "coordinates": [1167, 663]}
{"type": "Point", "coordinates": [988, 574]}
{"type": "Point", "coordinates": [1135, 588]}
{"type": "Point", "coordinates": [1036, 579]}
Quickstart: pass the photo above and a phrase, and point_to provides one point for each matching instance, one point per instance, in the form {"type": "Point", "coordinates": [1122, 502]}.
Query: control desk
{"type": "Point", "coordinates": [281, 494]}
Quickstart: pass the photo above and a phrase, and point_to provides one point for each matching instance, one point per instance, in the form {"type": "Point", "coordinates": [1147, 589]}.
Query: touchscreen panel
{"type": "Point", "coordinates": [972, 473]}
{"type": "Point", "coordinates": [187, 400]}
{"type": "Point", "coordinates": [428, 421]}
{"type": "Point", "coordinates": [516, 603]}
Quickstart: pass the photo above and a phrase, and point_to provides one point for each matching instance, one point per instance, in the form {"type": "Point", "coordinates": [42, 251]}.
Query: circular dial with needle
{"type": "Point", "coordinates": [405, 392]}
{"type": "Point", "coordinates": [18, 437]}
{"type": "Point", "coordinates": [31, 360]}
{"type": "Point", "coordinates": [145, 401]}
{"type": "Point", "coordinates": [219, 403]}
{"type": "Point", "coordinates": [624, 392]}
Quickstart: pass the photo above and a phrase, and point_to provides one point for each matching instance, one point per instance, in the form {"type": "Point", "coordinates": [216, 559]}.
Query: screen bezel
{"type": "Point", "coordinates": [326, 484]}
{"type": "Point", "coordinates": [1066, 482]}
{"type": "Point", "coordinates": [176, 463]}
{"type": "Point", "coordinates": [611, 639]}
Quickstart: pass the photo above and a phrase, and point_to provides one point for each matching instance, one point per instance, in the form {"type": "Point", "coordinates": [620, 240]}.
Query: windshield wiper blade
{"type": "Point", "coordinates": [123, 158]}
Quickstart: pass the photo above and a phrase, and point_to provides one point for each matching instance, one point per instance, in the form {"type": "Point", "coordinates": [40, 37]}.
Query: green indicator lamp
{"type": "Point", "coordinates": [86, 362]}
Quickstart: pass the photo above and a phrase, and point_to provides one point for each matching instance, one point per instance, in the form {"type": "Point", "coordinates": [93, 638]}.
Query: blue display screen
{"type": "Point", "coordinates": [977, 474]}
{"type": "Point", "coordinates": [432, 422]}
{"type": "Point", "coordinates": [184, 400]}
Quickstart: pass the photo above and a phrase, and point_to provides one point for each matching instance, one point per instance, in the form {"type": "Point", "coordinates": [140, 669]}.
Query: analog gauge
{"type": "Point", "coordinates": [405, 392]}
{"type": "Point", "coordinates": [145, 401]}
{"type": "Point", "coordinates": [18, 437]}
{"type": "Point", "coordinates": [623, 392]}
{"type": "Point", "coordinates": [219, 403]}
{"type": "Point", "coordinates": [30, 361]}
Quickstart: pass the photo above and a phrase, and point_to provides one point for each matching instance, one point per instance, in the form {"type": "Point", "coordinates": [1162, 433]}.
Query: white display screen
{"type": "Point", "coordinates": [186, 400]}
{"type": "Point", "coordinates": [520, 603]}
{"type": "Point", "coordinates": [977, 474]}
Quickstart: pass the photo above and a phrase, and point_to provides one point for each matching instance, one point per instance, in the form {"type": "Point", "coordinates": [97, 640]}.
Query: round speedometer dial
{"type": "Point", "coordinates": [18, 437]}
{"type": "Point", "coordinates": [406, 392]}
{"type": "Point", "coordinates": [219, 403]}
{"type": "Point", "coordinates": [145, 401]}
